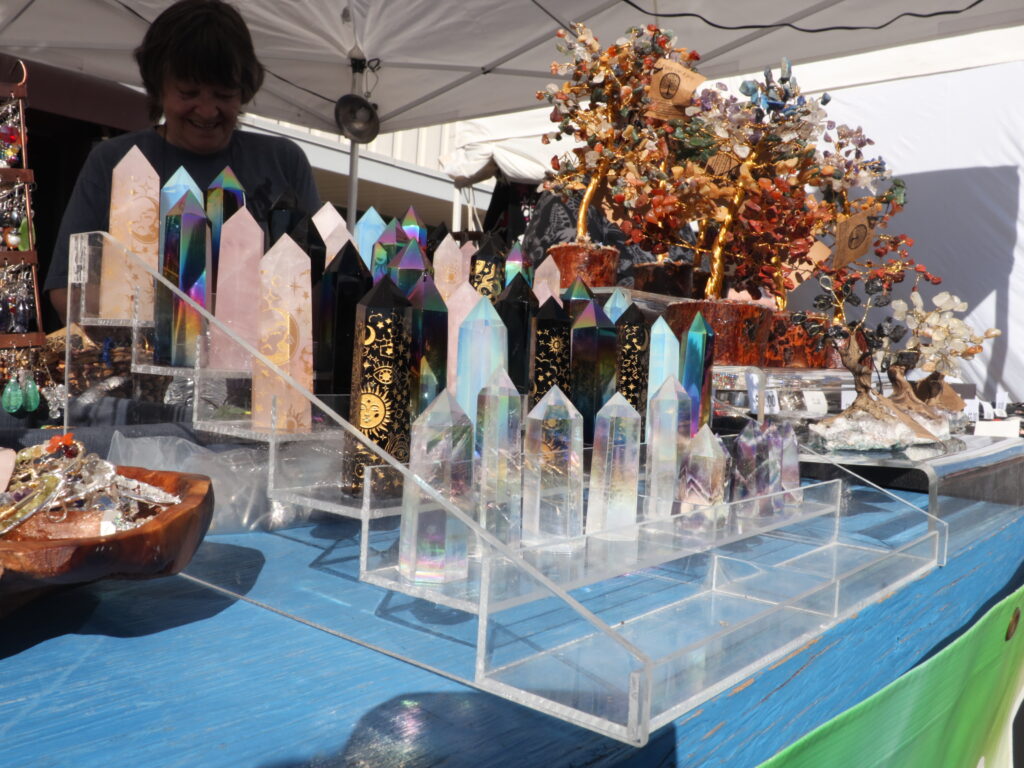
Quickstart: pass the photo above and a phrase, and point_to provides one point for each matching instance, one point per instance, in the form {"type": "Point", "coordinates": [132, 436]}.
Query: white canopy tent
{"type": "Point", "coordinates": [441, 61]}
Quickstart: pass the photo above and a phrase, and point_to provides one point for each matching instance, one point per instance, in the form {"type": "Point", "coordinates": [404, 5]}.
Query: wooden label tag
{"type": "Point", "coordinates": [672, 88]}
{"type": "Point", "coordinates": [853, 238]}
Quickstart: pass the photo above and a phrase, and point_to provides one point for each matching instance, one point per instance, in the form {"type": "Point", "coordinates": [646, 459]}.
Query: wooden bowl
{"type": "Point", "coordinates": [41, 554]}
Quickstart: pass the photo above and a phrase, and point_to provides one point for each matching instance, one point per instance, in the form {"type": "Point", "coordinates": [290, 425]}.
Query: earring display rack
{"type": "Point", "coordinates": [13, 179]}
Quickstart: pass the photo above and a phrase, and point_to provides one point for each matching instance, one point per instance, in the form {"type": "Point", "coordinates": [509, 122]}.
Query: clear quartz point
{"type": "Point", "coordinates": [432, 545]}
{"type": "Point", "coordinates": [553, 473]}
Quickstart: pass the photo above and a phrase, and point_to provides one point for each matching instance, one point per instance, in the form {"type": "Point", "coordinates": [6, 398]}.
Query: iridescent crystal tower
{"type": "Point", "coordinates": [367, 230]}
{"type": "Point", "coordinates": [483, 348]}
{"type": "Point", "coordinates": [696, 368]}
{"type": "Point", "coordinates": [498, 475]}
{"type": "Point", "coordinates": [516, 307]}
{"type": "Point", "coordinates": [432, 546]}
{"type": "Point", "coordinates": [224, 196]}
{"type": "Point", "coordinates": [576, 298]}
{"type": "Point", "coordinates": [408, 266]}
{"type": "Point", "coordinates": [614, 468]}
{"type": "Point", "coordinates": [553, 473]}
{"type": "Point", "coordinates": [428, 350]}
{"type": "Point", "coordinates": [668, 441]}
{"type": "Point", "coordinates": [663, 360]}
{"type": "Point", "coordinates": [592, 367]}
{"type": "Point", "coordinates": [386, 248]}
{"type": "Point", "coordinates": [414, 228]}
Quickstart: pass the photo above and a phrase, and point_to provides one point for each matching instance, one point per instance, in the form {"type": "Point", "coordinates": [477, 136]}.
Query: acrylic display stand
{"type": "Point", "coordinates": [618, 632]}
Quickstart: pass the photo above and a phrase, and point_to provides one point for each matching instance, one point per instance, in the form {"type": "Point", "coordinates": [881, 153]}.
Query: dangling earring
{"type": "Point", "coordinates": [12, 397]}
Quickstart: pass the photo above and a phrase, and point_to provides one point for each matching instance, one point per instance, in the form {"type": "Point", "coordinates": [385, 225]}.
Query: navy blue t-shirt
{"type": "Point", "coordinates": [267, 167]}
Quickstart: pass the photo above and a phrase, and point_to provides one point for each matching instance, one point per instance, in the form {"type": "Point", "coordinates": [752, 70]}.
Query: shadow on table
{"type": "Point", "coordinates": [122, 608]}
{"type": "Point", "coordinates": [473, 730]}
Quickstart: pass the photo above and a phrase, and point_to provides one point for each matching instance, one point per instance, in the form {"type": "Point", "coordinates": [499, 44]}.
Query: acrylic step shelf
{"type": "Point", "coordinates": [618, 633]}
{"type": "Point", "coordinates": [625, 630]}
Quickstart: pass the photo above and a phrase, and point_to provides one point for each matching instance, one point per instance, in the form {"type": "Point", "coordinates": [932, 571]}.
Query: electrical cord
{"type": "Point", "coordinates": [797, 27]}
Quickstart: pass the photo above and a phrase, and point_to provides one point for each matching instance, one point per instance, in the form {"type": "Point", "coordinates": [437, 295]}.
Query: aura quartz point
{"type": "Point", "coordinates": [192, 250]}
{"type": "Point", "coordinates": [553, 474]}
{"type": "Point", "coordinates": [769, 476]}
{"type": "Point", "coordinates": [547, 274]}
{"type": "Point", "coordinates": [663, 360]}
{"type": "Point", "coordinates": [632, 357]}
{"type": "Point", "coordinates": [345, 282]}
{"type": "Point", "coordinates": [432, 544]}
{"type": "Point", "coordinates": [414, 228]}
{"type": "Point", "coordinates": [379, 406]}
{"type": "Point", "coordinates": [498, 476]}
{"type": "Point", "coordinates": [450, 267]}
{"type": "Point", "coordinates": [748, 473]}
{"type": "Point", "coordinates": [789, 471]}
{"type": "Point", "coordinates": [386, 248]}
{"type": "Point", "coordinates": [241, 248]}
{"type": "Point", "coordinates": [668, 443]}
{"type": "Point", "coordinates": [516, 307]}
{"type": "Point", "coordinates": [483, 348]}
{"type": "Point", "coordinates": [614, 469]}
{"type": "Point", "coordinates": [408, 266]}
{"type": "Point", "coordinates": [516, 264]}
{"type": "Point", "coordinates": [428, 345]}
{"type": "Point", "coordinates": [549, 350]}
{"type": "Point", "coordinates": [696, 368]}
{"type": "Point", "coordinates": [592, 364]}
{"type": "Point", "coordinates": [172, 192]}
{"type": "Point", "coordinates": [135, 223]}
{"type": "Point", "coordinates": [704, 489]}
{"type": "Point", "coordinates": [460, 304]}
{"type": "Point", "coordinates": [224, 197]}
{"type": "Point", "coordinates": [333, 230]}
{"type": "Point", "coordinates": [367, 231]}
{"type": "Point", "coordinates": [285, 338]}
{"type": "Point", "coordinates": [576, 297]}
{"type": "Point", "coordinates": [487, 267]}
{"type": "Point", "coordinates": [616, 303]}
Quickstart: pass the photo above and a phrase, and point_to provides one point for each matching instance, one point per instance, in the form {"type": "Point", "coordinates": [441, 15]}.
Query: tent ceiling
{"type": "Point", "coordinates": [444, 60]}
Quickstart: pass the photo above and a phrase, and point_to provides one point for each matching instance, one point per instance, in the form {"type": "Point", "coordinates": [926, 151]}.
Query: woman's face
{"type": "Point", "coordinates": [200, 117]}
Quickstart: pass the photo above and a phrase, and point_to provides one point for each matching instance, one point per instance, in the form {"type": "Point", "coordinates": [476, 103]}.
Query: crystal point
{"type": "Point", "coordinates": [616, 304]}
{"type": "Point", "coordinates": [369, 227]}
{"type": "Point", "coordinates": [549, 350]}
{"type": "Point", "coordinates": [516, 306]}
{"type": "Point", "coordinates": [408, 266]}
{"type": "Point", "coordinates": [414, 227]}
{"type": "Point", "coordinates": [592, 366]}
{"type": "Point", "coordinates": [615, 467]}
{"type": "Point", "coordinates": [450, 267]}
{"type": "Point", "coordinates": [704, 489]}
{"type": "Point", "coordinates": [668, 440]}
{"type": "Point", "coordinates": [553, 472]}
{"type": "Point", "coordinates": [696, 369]}
{"type": "Point", "coordinates": [632, 357]}
{"type": "Point", "coordinates": [498, 476]}
{"type": "Point", "coordinates": [483, 348]}
{"type": "Point", "coordinates": [433, 542]}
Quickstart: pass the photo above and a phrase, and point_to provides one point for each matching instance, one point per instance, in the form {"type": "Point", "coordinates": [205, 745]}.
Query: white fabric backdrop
{"type": "Point", "coordinates": [958, 140]}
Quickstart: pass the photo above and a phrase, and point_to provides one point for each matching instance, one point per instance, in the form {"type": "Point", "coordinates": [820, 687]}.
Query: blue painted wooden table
{"type": "Point", "coordinates": [175, 672]}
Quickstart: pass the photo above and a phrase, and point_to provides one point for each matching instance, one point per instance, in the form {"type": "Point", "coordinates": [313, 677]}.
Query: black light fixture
{"type": "Point", "coordinates": [355, 116]}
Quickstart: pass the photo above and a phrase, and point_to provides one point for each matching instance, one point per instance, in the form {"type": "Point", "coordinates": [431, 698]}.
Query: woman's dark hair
{"type": "Point", "coordinates": [199, 41]}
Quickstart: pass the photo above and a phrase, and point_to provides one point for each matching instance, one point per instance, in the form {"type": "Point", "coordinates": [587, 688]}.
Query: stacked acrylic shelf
{"type": "Point", "coordinates": [619, 632]}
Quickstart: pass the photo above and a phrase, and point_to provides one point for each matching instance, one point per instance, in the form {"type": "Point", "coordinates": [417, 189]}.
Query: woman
{"type": "Point", "coordinates": [199, 69]}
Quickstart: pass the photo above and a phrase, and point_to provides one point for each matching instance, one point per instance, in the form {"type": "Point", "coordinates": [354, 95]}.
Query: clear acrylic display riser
{"type": "Point", "coordinates": [621, 635]}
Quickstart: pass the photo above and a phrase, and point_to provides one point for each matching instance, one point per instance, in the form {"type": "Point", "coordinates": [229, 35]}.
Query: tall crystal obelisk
{"type": "Point", "coordinates": [614, 468]}
{"type": "Point", "coordinates": [632, 357]}
{"type": "Point", "coordinates": [668, 441]}
{"type": "Point", "coordinates": [286, 339]}
{"type": "Point", "coordinates": [135, 223]}
{"type": "Point", "coordinates": [549, 350]}
{"type": "Point", "coordinates": [379, 406]}
{"type": "Point", "coordinates": [241, 249]}
{"type": "Point", "coordinates": [553, 474]}
{"type": "Point", "coordinates": [498, 476]}
{"type": "Point", "coordinates": [592, 366]}
{"type": "Point", "coordinates": [432, 546]}
{"type": "Point", "coordinates": [516, 307]}
{"type": "Point", "coordinates": [696, 368]}
{"type": "Point", "coordinates": [428, 348]}
{"type": "Point", "coordinates": [483, 348]}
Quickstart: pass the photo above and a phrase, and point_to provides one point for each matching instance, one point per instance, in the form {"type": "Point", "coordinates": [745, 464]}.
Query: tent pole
{"type": "Point", "coordinates": [358, 73]}
{"type": "Point", "coordinates": [456, 209]}
{"type": "Point", "coordinates": [353, 185]}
